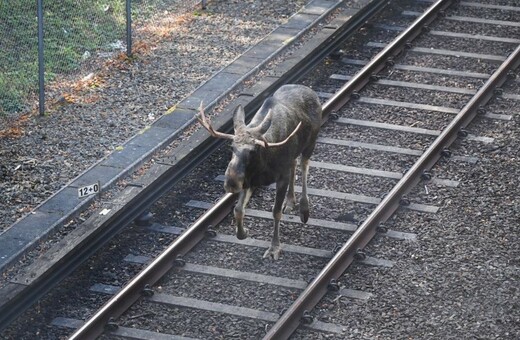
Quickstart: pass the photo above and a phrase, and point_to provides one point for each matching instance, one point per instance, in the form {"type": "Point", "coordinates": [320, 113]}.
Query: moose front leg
{"type": "Point", "coordinates": [240, 208]}
{"type": "Point", "coordinates": [274, 249]}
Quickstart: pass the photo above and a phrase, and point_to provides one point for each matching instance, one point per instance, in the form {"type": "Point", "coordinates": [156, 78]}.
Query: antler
{"type": "Point", "coordinates": [263, 142]}
{"type": "Point", "coordinates": [201, 117]}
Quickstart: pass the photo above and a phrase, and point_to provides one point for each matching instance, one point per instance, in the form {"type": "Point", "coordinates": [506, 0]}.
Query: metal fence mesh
{"type": "Point", "coordinates": [76, 32]}
{"type": "Point", "coordinates": [18, 53]}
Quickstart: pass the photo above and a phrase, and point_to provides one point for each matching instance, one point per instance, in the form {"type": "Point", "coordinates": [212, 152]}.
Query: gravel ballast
{"type": "Point", "coordinates": [38, 156]}
{"type": "Point", "coordinates": [458, 279]}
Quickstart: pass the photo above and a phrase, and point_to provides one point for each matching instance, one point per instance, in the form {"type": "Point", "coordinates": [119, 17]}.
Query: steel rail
{"type": "Point", "coordinates": [19, 301]}
{"type": "Point", "coordinates": [105, 232]}
{"type": "Point", "coordinates": [137, 286]}
{"type": "Point", "coordinates": [298, 311]}
{"type": "Point", "coordinates": [384, 58]}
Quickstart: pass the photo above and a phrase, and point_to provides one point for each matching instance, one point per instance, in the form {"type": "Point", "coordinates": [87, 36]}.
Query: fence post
{"type": "Point", "coordinates": [128, 28]}
{"type": "Point", "coordinates": [41, 64]}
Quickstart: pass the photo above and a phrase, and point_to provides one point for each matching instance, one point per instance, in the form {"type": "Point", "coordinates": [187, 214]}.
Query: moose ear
{"type": "Point", "coordinates": [264, 125]}
{"type": "Point", "coordinates": [239, 119]}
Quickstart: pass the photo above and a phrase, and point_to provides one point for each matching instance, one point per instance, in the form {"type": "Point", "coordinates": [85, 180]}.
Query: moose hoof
{"type": "Point", "coordinates": [273, 252]}
{"type": "Point", "coordinates": [242, 234]}
{"type": "Point", "coordinates": [304, 216]}
{"type": "Point", "coordinates": [304, 210]}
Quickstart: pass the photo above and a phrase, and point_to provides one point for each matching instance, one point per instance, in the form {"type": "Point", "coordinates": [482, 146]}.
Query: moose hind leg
{"type": "Point", "coordinates": [304, 200]}
{"type": "Point", "coordinates": [275, 249]}
{"type": "Point", "coordinates": [290, 199]}
{"type": "Point", "coordinates": [240, 208]}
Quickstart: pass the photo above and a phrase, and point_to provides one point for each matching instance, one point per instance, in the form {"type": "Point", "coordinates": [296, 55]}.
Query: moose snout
{"type": "Point", "coordinates": [232, 185]}
{"type": "Point", "coordinates": [234, 181]}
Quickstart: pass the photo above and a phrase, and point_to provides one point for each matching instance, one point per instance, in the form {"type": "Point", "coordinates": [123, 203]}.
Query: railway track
{"type": "Point", "coordinates": [388, 124]}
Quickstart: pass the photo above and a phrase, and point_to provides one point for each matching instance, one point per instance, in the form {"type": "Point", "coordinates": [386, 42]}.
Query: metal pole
{"type": "Point", "coordinates": [41, 66]}
{"type": "Point", "coordinates": [128, 28]}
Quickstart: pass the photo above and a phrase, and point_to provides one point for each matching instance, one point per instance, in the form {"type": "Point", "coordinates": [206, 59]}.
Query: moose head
{"type": "Point", "coordinates": [247, 142]}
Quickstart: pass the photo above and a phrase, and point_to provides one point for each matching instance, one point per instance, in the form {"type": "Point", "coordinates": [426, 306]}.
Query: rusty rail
{"type": "Point", "coordinates": [298, 311]}
{"type": "Point", "coordinates": [138, 286]}
{"type": "Point", "coordinates": [385, 57]}
{"type": "Point", "coordinates": [293, 317]}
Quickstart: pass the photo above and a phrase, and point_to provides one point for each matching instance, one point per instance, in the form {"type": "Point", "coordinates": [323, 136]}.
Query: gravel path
{"type": "Point", "coordinates": [38, 156]}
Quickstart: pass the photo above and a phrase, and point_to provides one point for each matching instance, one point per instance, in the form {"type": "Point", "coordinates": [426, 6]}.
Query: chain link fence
{"type": "Point", "coordinates": [75, 33]}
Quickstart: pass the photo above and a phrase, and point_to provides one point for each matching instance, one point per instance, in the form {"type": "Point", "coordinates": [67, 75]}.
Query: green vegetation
{"type": "Point", "coordinates": [71, 28]}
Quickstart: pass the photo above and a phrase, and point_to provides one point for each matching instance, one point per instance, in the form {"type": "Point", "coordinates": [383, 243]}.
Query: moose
{"type": "Point", "coordinates": [265, 151]}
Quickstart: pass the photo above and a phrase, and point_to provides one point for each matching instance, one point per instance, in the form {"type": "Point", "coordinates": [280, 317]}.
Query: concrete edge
{"type": "Point", "coordinates": [24, 235]}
